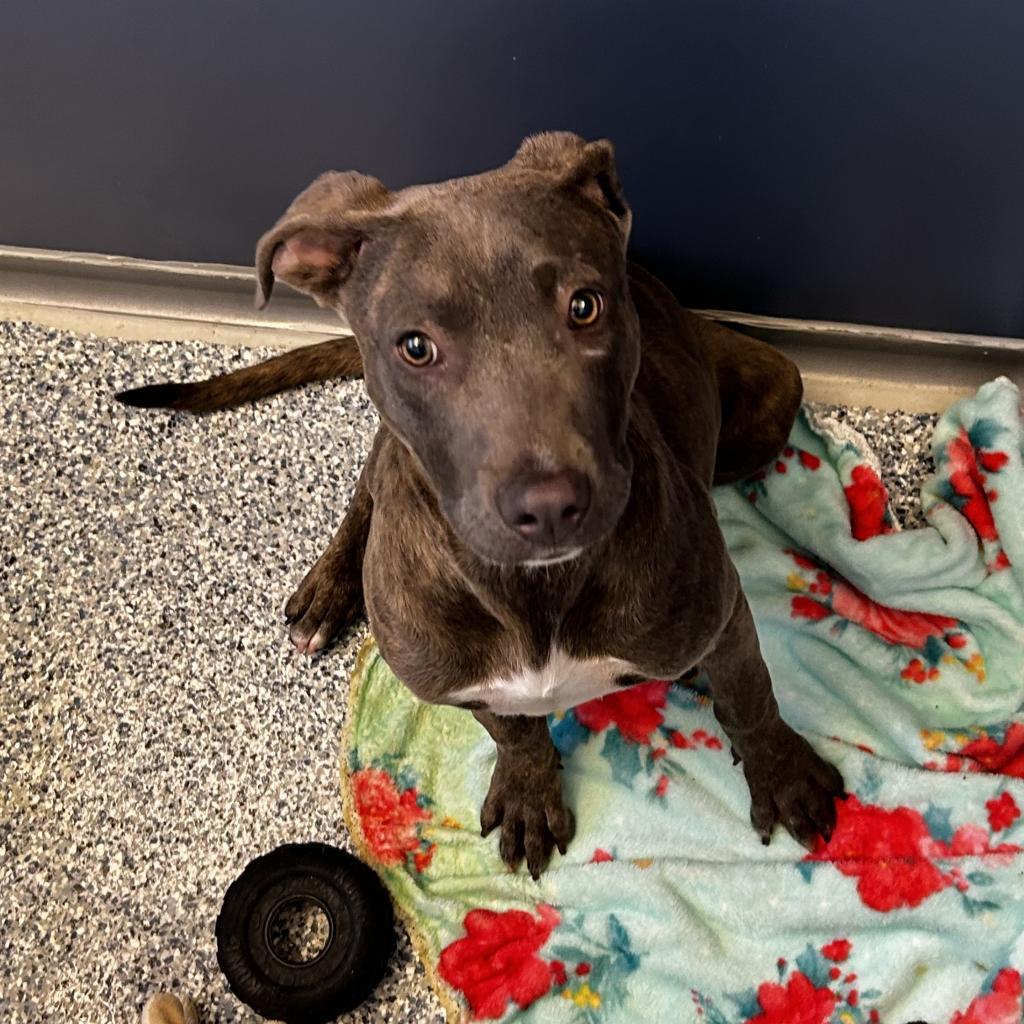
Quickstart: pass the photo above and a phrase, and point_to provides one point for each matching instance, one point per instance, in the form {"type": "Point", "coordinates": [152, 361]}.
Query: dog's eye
{"type": "Point", "coordinates": [417, 349]}
{"type": "Point", "coordinates": [585, 307]}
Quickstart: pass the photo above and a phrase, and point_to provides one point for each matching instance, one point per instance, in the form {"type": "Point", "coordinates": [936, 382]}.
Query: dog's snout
{"type": "Point", "coordinates": [545, 508]}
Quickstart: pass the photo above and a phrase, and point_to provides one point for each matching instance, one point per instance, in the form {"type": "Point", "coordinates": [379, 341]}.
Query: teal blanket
{"type": "Point", "coordinates": [900, 654]}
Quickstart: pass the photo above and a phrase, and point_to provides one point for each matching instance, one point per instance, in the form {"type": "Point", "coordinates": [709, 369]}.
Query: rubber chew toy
{"type": "Point", "coordinates": [360, 933]}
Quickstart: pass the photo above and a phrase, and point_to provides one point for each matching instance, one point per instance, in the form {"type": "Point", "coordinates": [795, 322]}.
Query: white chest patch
{"type": "Point", "coordinates": [560, 683]}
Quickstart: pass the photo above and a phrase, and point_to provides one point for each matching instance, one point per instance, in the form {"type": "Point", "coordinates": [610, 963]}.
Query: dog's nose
{"type": "Point", "coordinates": [545, 508]}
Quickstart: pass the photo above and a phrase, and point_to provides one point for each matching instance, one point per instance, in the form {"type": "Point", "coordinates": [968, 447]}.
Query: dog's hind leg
{"type": "Point", "coordinates": [330, 598]}
{"type": "Point", "coordinates": [760, 391]}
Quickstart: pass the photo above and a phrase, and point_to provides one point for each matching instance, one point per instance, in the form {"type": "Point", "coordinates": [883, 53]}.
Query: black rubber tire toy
{"type": "Point", "coordinates": [360, 940]}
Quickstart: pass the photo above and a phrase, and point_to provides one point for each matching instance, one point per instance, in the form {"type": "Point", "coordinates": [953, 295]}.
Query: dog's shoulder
{"type": "Point", "coordinates": [676, 386]}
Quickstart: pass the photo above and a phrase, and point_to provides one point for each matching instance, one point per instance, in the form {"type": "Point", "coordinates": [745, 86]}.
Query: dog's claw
{"type": "Point", "coordinates": [490, 818]}
{"type": "Point", "coordinates": [327, 601]}
{"type": "Point", "coordinates": [791, 785]}
{"type": "Point", "coordinates": [526, 801]}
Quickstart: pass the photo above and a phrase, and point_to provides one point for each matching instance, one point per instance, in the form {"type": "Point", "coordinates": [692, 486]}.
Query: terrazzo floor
{"type": "Point", "coordinates": [156, 730]}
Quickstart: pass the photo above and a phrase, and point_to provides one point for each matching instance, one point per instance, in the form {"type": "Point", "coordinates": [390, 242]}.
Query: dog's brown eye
{"type": "Point", "coordinates": [585, 307]}
{"type": "Point", "coordinates": [417, 349]}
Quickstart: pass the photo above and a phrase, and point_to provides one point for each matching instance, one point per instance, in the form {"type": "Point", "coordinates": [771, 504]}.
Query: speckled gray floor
{"type": "Point", "coordinates": [902, 441]}
{"type": "Point", "coordinates": [156, 732]}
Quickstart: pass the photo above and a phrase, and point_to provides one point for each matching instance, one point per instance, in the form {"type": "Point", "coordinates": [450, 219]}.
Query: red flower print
{"type": "Point", "coordinates": [892, 624]}
{"type": "Point", "coordinates": [1002, 812]}
{"type": "Point", "coordinates": [635, 711]}
{"type": "Point", "coordinates": [916, 672]}
{"type": "Point", "coordinates": [885, 851]}
{"type": "Point", "coordinates": [804, 561]}
{"type": "Point", "coordinates": [1006, 758]}
{"type": "Point", "coordinates": [601, 857]}
{"type": "Point", "coordinates": [968, 482]}
{"type": "Point", "coordinates": [422, 858]}
{"type": "Point", "coordinates": [992, 462]}
{"type": "Point", "coordinates": [497, 960]}
{"type": "Point", "coordinates": [809, 460]}
{"type": "Point", "coordinates": [558, 971]}
{"type": "Point", "coordinates": [822, 584]}
{"type": "Point", "coordinates": [388, 818]}
{"type": "Point", "coordinates": [799, 1002]}
{"type": "Point", "coordinates": [889, 851]}
{"type": "Point", "coordinates": [1000, 1006]}
{"type": "Point", "coordinates": [867, 499]}
{"type": "Point", "coordinates": [959, 881]}
{"type": "Point", "coordinates": [969, 841]}
{"type": "Point", "coordinates": [837, 950]}
{"type": "Point", "coordinates": [804, 607]}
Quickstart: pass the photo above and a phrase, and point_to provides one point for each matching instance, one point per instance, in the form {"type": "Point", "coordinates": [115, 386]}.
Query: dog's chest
{"type": "Point", "coordinates": [560, 683]}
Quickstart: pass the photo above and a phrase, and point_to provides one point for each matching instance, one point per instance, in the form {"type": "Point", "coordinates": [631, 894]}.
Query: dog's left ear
{"type": "Point", "coordinates": [575, 163]}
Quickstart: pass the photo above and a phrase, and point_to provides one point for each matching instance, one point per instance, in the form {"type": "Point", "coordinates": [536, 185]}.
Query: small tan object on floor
{"type": "Point", "coordinates": [163, 1008]}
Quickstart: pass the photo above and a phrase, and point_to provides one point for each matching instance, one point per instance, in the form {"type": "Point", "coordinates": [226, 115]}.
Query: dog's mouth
{"type": "Point", "coordinates": [558, 558]}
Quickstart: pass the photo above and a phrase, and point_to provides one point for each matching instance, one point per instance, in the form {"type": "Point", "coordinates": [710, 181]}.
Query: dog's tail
{"type": "Point", "coordinates": [325, 360]}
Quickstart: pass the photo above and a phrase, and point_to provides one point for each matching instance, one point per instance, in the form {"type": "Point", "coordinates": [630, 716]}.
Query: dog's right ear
{"type": "Point", "coordinates": [314, 246]}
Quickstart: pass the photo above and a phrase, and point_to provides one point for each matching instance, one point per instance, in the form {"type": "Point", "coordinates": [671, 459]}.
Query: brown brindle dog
{"type": "Point", "coordinates": [534, 527]}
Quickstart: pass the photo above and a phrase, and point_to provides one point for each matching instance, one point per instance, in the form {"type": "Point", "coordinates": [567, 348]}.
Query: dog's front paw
{"type": "Point", "coordinates": [329, 600]}
{"type": "Point", "coordinates": [790, 784]}
{"type": "Point", "coordinates": [526, 801]}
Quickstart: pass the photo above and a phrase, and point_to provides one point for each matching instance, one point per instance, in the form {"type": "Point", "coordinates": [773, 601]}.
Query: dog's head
{"type": "Point", "coordinates": [497, 333]}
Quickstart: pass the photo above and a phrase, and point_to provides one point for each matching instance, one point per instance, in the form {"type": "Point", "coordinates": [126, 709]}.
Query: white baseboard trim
{"type": "Point", "coordinates": [119, 296]}
{"type": "Point", "coordinates": [150, 300]}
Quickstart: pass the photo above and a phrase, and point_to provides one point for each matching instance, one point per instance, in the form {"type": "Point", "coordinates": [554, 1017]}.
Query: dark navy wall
{"type": "Point", "coordinates": [842, 159]}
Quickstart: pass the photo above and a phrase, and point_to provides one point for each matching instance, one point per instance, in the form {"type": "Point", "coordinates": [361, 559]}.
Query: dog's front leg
{"type": "Point", "coordinates": [330, 598]}
{"type": "Point", "coordinates": [789, 782]}
{"type": "Point", "coordinates": [525, 797]}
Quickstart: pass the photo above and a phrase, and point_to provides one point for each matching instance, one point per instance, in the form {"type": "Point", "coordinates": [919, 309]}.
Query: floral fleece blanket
{"type": "Point", "coordinates": [899, 653]}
